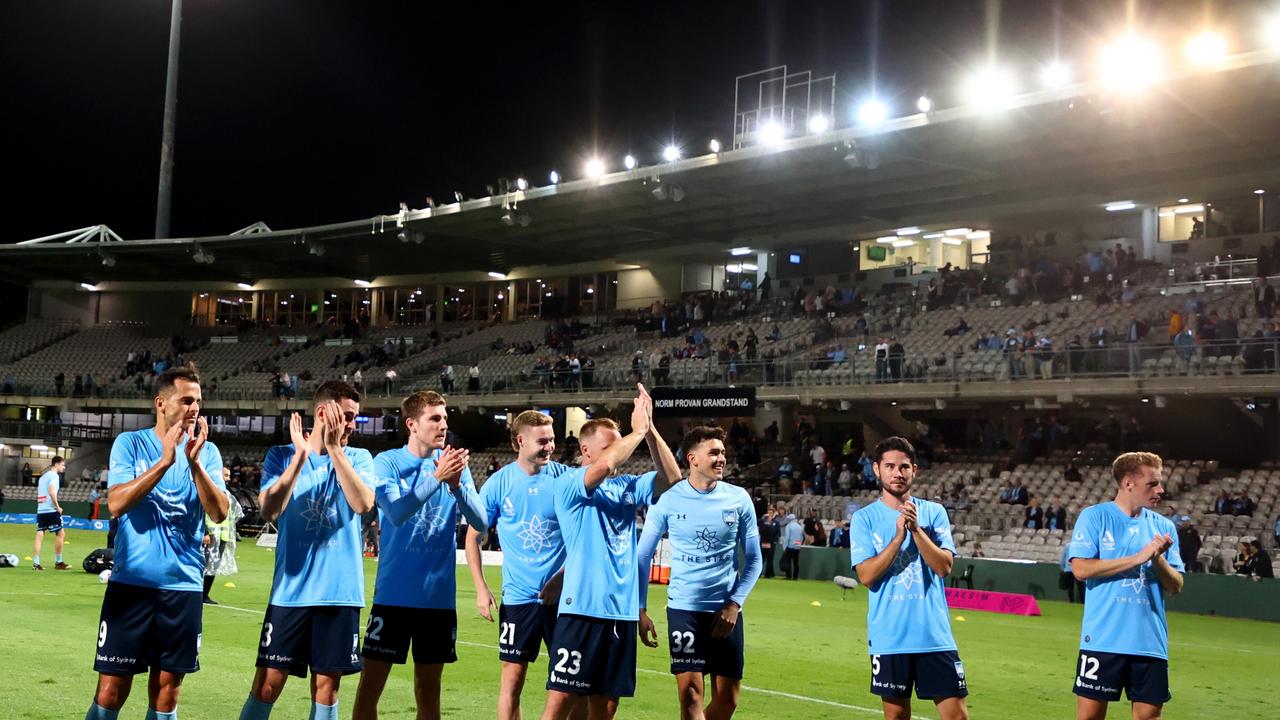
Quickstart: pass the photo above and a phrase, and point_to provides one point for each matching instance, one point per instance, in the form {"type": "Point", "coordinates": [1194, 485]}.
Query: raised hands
{"type": "Point", "coordinates": [642, 411]}
{"type": "Point", "coordinates": [908, 521]}
{"type": "Point", "coordinates": [1157, 547]}
{"type": "Point", "coordinates": [451, 463]}
{"type": "Point", "coordinates": [169, 443]}
{"type": "Point", "coordinates": [331, 424]}
{"type": "Point", "coordinates": [195, 443]}
{"type": "Point", "coordinates": [296, 435]}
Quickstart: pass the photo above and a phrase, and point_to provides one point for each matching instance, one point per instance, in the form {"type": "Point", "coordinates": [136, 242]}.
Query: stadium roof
{"type": "Point", "coordinates": [1065, 151]}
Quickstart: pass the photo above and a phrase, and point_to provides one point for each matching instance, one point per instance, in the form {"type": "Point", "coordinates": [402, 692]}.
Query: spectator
{"type": "Point", "coordinates": [446, 378]}
{"type": "Point", "coordinates": [1264, 298]}
{"type": "Point", "coordinates": [882, 359]}
{"type": "Point", "coordinates": [1240, 563]}
{"type": "Point", "coordinates": [1055, 516]}
{"type": "Point", "coordinates": [26, 480]}
{"type": "Point", "coordinates": [1243, 504]}
{"type": "Point", "coordinates": [473, 378]}
{"type": "Point", "coordinates": [792, 540]}
{"type": "Point", "coordinates": [1007, 493]}
{"type": "Point", "coordinates": [357, 379]}
{"type": "Point", "coordinates": [811, 524]}
{"type": "Point", "coordinates": [771, 433]}
{"type": "Point", "coordinates": [819, 535]}
{"type": "Point", "coordinates": [1020, 494]}
{"type": "Point", "coordinates": [1185, 344]}
{"type": "Point", "coordinates": [1276, 530]}
{"type": "Point", "coordinates": [1033, 517]}
{"type": "Point", "coordinates": [1259, 564]}
{"type": "Point", "coordinates": [784, 470]}
{"type": "Point", "coordinates": [1189, 544]}
{"type": "Point", "coordinates": [1224, 505]}
{"type": "Point", "coordinates": [869, 482]}
{"type": "Point", "coordinates": [817, 456]}
{"type": "Point", "coordinates": [1044, 357]}
{"type": "Point", "coordinates": [896, 355]}
{"type": "Point", "coordinates": [58, 381]}
{"type": "Point", "coordinates": [977, 551]}
{"type": "Point", "coordinates": [845, 479]}
{"type": "Point", "coordinates": [1076, 355]}
{"type": "Point", "coordinates": [389, 383]}
{"type": "Point", "coordinates": [840, 535]}
{"type": "Point", "coordinates": [769, 534]}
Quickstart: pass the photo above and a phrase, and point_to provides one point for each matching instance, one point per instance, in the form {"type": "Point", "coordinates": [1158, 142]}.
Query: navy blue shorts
{"type": "Point", "coordinates": [1101, 676]}
{"type": "Point", "coordinates": [325, 638]}
{"type": "Point", "coordinates": [433, 633]}
{"type": "Point", "coordinates": [935, 675]}
{"type": "Point", "coordinates": [694, 650]}
{"type": "Point", "coordinates": [522, 629]}
{"type": "Point", "coordinates": [593, 656]}
{"type": "Point", "coordinates": [49, 521]}
{"type": "Point", "coordinates": [142, 628]}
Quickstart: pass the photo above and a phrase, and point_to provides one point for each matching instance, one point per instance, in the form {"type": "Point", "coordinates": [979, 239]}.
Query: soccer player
{"type": "Point", "coordinates": [707, 520]}
{"type": "Point", "coordinates": [315, 490]}
{"type": "Point", "coordinates": [163, 482]}
{"type": "Point", "coordinates": [421, 489]}
{"type": "Point", "coordinates": [520, 498]}
{"type": "Point", "coordinates": [1127, 555]}
{"type": "Point", "coordinates": [49, 515]}
{"type": "Point", "coordinates": [902, 550]}
{"type": "Point", "coordinates": [593, 649]}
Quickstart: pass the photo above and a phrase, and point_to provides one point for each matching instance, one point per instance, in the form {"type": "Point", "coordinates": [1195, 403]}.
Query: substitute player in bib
{"type": "Point", "coordinates": [315, 490]}
{"type": "Point", "coordinates": [1127, 554]}
{"type": "Point", "coordinates": [520, 498]}
{"type": "Point", "coordinates": [593, 649]}
{"type": "Point", "coordinates": [707, 521]}
{"type": "Point", "coordinates": [902, 550]}
{"type": "Point", "coordinates": [49, 515]}
{"type": "Point", "coordinates": [421, 489]}
{"type": "Point", "coordinates": [163, 481]}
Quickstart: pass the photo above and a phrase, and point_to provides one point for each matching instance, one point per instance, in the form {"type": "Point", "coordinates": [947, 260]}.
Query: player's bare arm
{"type": "Point", "coordinates": [938, 559]}
{"type": "Point", "coordinates": [359, 496]}
{"type": "Point", "coordinates": [485, 602]}
{"type": "Point", "coordinates": [125, 496]}
{"type": "Point", "coordinates": [213, 500]}
{"type": "Point", "coordinates": [872, 569]}
{"type": "Point", "coordinates": [1086, 568]}
{"type": "Point", "coordinates": [616, 454]}
{"type": "Point", "coordinates": [275, 499]}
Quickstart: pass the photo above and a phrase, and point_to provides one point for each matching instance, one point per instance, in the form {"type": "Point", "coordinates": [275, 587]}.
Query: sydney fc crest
{"type": "Point", "coordinates": [730, 518]}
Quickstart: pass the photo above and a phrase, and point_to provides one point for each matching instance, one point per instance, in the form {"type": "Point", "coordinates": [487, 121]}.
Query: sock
{"type": "Point", "coordinates": [57, 558]}
{"type": "Point", "coordinates": [255, 709]}
{"type": "Point", "coordinates": [153, 714]}
{"type": "Point", "coordinates": [100, 713]}
{"type": "Point", "coordinates": [35, 560]}
{"type": "Point", "coordinates": [324, 712]}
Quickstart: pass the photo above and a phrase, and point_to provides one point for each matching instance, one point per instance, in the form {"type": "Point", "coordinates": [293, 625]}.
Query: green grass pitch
{"type": "Point", "coordinates": [803, 661]}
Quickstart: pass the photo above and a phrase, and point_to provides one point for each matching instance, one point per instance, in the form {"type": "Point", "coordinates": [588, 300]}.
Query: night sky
{"type": "Point", "coordinates": [299, 113]}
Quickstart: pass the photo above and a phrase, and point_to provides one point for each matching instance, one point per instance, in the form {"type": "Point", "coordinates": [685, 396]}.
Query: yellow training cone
{"type": "Point", "coordinates": [229, 584]}
{"type": "Point", "coordinates": [815, 603]}
{"type": "Point", "coordinates": [27, 557]}
{"type": "Point", "coordinates": [959, 618]}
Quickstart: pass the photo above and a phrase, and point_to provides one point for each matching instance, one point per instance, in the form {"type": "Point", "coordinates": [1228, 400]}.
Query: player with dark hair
{"type": "Point", "coordinates": [708, 521]}
{"type": "Point", "coordinates": [163, 482]}
{"type": "Point", "coordinates": [316, 491]}
{"type": "Point", "coordinates": [902, 550]}
{"type": "Point", "coordinates": [49, 514]}
{"type": "Point", "coordinates": [1128, 557]}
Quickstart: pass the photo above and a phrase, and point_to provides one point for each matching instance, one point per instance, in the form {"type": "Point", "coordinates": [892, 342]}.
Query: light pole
{"type": "Point", "coordinates": [165, 192]}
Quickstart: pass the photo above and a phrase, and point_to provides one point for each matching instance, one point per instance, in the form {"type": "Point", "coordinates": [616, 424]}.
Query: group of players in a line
{"type": "Point", "coordinates": [574, 573]}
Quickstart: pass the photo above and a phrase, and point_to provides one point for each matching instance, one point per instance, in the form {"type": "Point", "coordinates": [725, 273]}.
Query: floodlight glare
{"type": "Point", "coordinates": [1207, 47]}
{"type": "Point", "coordinates": [913, 230]}
{"type": "Point", "coordinates": [752, 267]}
{"type": "Point", "coordinates": [959, 231]}
{"type": "Point", "coordinates": [1259, 191]}
{"type": "Point", "coordinates": [924, 104]}
{"type": "Point", "coordinates": [629, 162]}
{"type": "Point", "coordinates": [594, 168]}
{"type": "Point", "coordinates": [819, 124]}
{"type": "Point", "coordinates": [522, 184]}
{"type": "Point", "coordinates": [1130, 63]}
{"type": "Point", "coordinates": [872, 113]}
{"type": "Point", "coordinates": [362, 283]}
{"type": "Point", "coordinates": [244, 286]}
{"type": "Point", "coordinates": [771, 133]}
{"type": "Point", "coordinates": [1120, 205]}
{"type": "Point", "coordinates": [714, 145]}
{"type": "Point", "coordinates": [671, 153]}
{"type": "Point", "coordinates": [991, 88]}
{"type": "Point", "coordinates": [554, 177]}
{"type": "Point", "coordinates": [1055, 75]}
{"type": "Point", "coordinates": [740, 251]}
{"type": "Point", "coordinates": [88, 287]}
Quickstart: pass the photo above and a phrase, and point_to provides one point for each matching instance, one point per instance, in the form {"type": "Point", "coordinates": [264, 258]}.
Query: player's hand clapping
{"type": "Point", "coordinates": [195, 443]}
{"type": "Point", "coordinates": [331, 424]}
{"type": "Point", "coordinates": [297, 436]}
{"type": "Point", "coordinates": [641, 411]}
{"type": "Point", "coordinates": [1157, 547]}
{"type": "Point", "coordinates": [451, 464]}
{"type": "Point", "coordinates": [907, 519]}
{"type": "Point", "coordinates": [169, 443]}
{"type": "Point", "coordinates": [648, 633]}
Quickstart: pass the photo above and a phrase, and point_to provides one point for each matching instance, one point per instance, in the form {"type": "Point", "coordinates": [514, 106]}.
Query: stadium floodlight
{"type": "Point", "coordinates": [771, 133]}
{"type": "Point", "coordinates": [39, 448]}
{"type": "Point", "coordinates": [88, 286]}
{"type": "Point", "coordinates": [671, 153]}
{"type": "Point", "coordinates": [244, 286]}
{"type": "Point", "coordinates": [752, 267]}
{"type": "Point", "coordinates": [819, 124]}
{"type": "Point", "coordinates": [959, 231]}
{"type": "Point", "coordinates": [924, 104]}
{"type": "Point", "coordinates": [1130, 63]}
{"type": "Point", "coordinates": [594, 168]}
{"type": "Point", "coordinates": [1205, 48]}
{"type": "Point", "coordinates": [740, 251]}
{"type": "Point", "coordinates": [733, 268]}
{"type": "Point", "coordinates": [872, 113]}
{"type": "Point", "coordinates": [1182, 200]}
{"type": "Point", "coordinates": [714, 146]}
{"type": "Point", "coordinates": [362, 283]}
{"type": "Point", "coordinates": [1259, 191]}
{"type": "Point", "coordinates": [629, 162]}
{"type": "Point", "coordinates": [496, 275]}
{"type": "Point", "coordinates": [1055, 75]}
{"type": "Point", "coordinates": [952, 241]}
{"type": "Point", "coordinates": [913, 230]}
{"type": "Point", "coordinates": [887, 239]}
{"type": "Point", "coordinates": [522, 184]}
{"type": "Point", "coordinates": [991, 88]}
{"type": "Point", "coordinates": [554, 177]}
{"type": "Point", "coordinates": [1120, 205]}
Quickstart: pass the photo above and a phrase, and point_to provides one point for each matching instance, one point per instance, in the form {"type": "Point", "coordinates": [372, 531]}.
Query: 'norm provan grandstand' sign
{"type": "Point", "coordinates": [730, 401]}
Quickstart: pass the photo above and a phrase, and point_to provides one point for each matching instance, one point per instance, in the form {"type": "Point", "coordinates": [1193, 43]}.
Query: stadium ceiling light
{"type": "Point", "coordinates": [594, 168]}
{"type": "Point", "coordinates": [771, 133]}
{"type": "Point", "coordinates": [872, 113]}
{"type": "Point", "coordinates": [714, 146]}
{"type": "Point", "coordinates": [959, 231]}
{"type": "Point", "coordinates": [992, 88]}
{"type": "Point", "coordinates": [1188, 209]}
{"type": "Point", "coordinates": [934, 236]}
{"type": "Point", "coordinates": [952, 241]}
{"type": "Point", "coordinates": [522, 184]}
{"type": "Point", "coordinates": [733, 268]}
{"type": "Point", "coordinates": [362, 283]}
{"type": "Point", "coordinates": [1205, 48]}
{"type": "Point", "coordinates": [924, 104]}
{"type": "Point", "coordinates": [496, 275]}
{"type": "Point", "coordinates": [88, 286]}
{"type": "Point", "coordinates": [1182, 200]}
{"type": "Point", "coordinates": [902, 242]}
{"type": "Point", "coordinates": [629, 162]}
{"type": "Point", "coordinates": [1120, 205]}
{"type": "Point", "coordinates": [554, 177]}
{"type": "Point", "coordinates": [38, 448]}
{"type": "Point", "coordinates": [978, 235]}
{"type": "Point", "coordinates": [912, 230]}
{"type": "Point", "coordinates": [1259, 191]}
{"type": "Point", "coordinates": [1055, 75]}
{"type": "Point", "coordinates": [1130, 63]}
{"type": "Point", "coordinates": [671, 153]}
{"type": "Point", "coordinates": [750, 266]}
{"type": "Point", "coordinates": [740, 251]}
{"type": "Point", "coordinates": [244, 286]}
{"type": "Point", "coordinates": [887, 239]}
{"type": "Point", "coordinates": [819, 124]}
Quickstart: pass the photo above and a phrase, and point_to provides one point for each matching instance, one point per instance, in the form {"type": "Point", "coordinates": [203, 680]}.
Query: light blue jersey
{"type": "Point", "coordinates": [705, 530]}
{"type": "Point", "coordinates": [417, 565]}
{"type": "Point", "coordinates": [1124, 613]}
{"type": "Point", "coordinates": [524, 508]}
{"type": "Point", "coordinates": [907, 606]}
{"type": "Point", "coordinates": [159, 541]}
{"type": "Point", "coordinates": [599, 529]}
{"type": "Point", "coordinates": [319, 558]}
{"type": "Point", "coordinates": [46, 487]}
